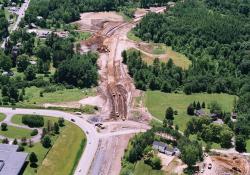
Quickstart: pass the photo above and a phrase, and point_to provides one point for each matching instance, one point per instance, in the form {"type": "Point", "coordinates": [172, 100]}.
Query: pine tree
{"type": "Point", "coordinates": [15, 142]}
{"type": "Point", "coordinates": [33, 159]}
{"type": "Point", "coordinates": [198, 106]}
{"type": "Point", "coordinates": [203, 105]}
{"type": "Point", "coordinates": [194, 105]}
{"type": "Point", "coordinates": [169, 115]}
{"type": "Point", "coordinates": [56, 128]}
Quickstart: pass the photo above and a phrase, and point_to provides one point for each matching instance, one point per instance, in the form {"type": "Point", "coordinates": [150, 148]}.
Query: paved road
{"type": "Point", "coordinates": [93, 136]}
{"type": "Point", "coordinates": [21, 14]}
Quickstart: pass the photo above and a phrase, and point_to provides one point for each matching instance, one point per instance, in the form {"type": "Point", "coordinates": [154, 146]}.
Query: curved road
{"type": "Point", "coordinates": [93, 136]}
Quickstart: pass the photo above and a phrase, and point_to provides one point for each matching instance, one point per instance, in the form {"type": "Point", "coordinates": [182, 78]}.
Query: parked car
{"type": "Point", "coordinates": [209, 166]}
{"type": "Point", "coordinates": [73, 120]}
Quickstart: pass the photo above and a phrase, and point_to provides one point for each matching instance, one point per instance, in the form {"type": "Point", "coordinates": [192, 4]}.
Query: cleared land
{"type": "Point", "coordinates": [32, 96]}
{"type": "Point", "coordinates": [157, 102]}
{"type": "Point", "coordinates": [2, 117]}
{"type": "Point", "coordinates": [63, 156]}
{"type": "Point", "coordinates": [150, 51]}
{"type": "Point", "coordinates": [14, 132]}
{"type": "Point", "coordinates": [142, 168]}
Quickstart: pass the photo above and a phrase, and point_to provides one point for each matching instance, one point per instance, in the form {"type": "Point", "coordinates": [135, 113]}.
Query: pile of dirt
{"type": "Point", "coordinates": [232, 163]}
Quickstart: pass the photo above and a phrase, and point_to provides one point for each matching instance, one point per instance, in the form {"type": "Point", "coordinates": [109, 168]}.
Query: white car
{"type": "Point", "coordinates": [78, 113]}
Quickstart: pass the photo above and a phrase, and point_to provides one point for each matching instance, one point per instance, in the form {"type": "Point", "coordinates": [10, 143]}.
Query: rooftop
{"type": "Point", "coordinates": [160, 144]}
{"type": "Point", "coordinates": [11, 161]}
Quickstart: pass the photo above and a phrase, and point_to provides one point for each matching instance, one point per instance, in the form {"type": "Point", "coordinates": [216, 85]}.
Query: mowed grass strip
{"type": "Point", "coordinates": [15, 132]}
{"type": "Point", "coordinates": [2, 117]}
{"type": "Point", "coordinates": [62, 156]}
{"type": "Point", "coordinates": [143, 169]}
{"type": "Point", "coordinates": [157, 102]}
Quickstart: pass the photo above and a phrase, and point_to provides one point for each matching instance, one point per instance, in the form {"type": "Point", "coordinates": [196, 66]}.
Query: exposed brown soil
{"type": "Point", "coordinates": [232, 163]}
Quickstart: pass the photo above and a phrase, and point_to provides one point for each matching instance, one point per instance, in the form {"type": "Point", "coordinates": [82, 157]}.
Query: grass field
{"type": "Point", "coordinates": [63, 156]}
{"type": "Point", "coordinates": [160, 49]}
{"type": "Point", "coordinates": [14, 132]}
{"type": "Point", "coordinates": [32, 95]}
{"type": "Point", "coordinates": [2, 117]}
{"type": "Point", "coordinates": [157, 102]}
{"type": "Point", "coordinates": [143, 169]}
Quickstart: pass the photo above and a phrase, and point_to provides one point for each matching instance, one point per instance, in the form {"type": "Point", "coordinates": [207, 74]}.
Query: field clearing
{"type": "Point", "coordinates": [32, 96]}
{"type": "Point", "coordinates": [157, 102]}
{"type": "Point", "coordinates": [150, 51]}
{"type": "Point", "coordinates": [164, 54]}
{"type": "Point", "coordinates": [15, 132]}
{"type": "Point", "coordinates": [143, 169]}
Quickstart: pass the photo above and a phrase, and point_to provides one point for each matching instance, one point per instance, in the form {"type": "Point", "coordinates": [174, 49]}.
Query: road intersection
{"type": "Point", "coordinates": [93, 137]}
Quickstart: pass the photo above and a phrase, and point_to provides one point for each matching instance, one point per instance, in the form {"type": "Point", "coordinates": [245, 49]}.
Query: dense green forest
{"type": "Point", "coordinates": [57, 12]}
{"type": "Point", "coordinates": [3, 25]}
{"type": "Point", "coordinates": [215, 35]}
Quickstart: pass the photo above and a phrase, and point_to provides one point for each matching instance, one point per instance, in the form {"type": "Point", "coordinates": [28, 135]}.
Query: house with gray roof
{"type": "Point", "coordinates": [11, 161]}
{"type": "Point", "coordinates": [165, 148]}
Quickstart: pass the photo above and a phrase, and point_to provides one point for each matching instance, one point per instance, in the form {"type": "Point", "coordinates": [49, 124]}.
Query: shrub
{"type": "Point", "coordinates": [46, 141]}
{"type": "Point", "coordinates": [34, 132]}
{"type": "Point", "coordinates": [4, 126]}
{"type": "Point", "coordinates": [33, 120]}
{"type": "Point", "coordinates": [20, 148]}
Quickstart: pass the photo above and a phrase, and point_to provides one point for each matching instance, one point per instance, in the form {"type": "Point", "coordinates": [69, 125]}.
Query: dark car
{"type": "Point", "coordinates": [72, 120]}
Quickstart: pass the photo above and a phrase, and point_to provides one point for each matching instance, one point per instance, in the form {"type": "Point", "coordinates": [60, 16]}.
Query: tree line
{"type": "Point", "coordinates": [159, 76]}
{"type": "Point", "coordinates": [57, 12]}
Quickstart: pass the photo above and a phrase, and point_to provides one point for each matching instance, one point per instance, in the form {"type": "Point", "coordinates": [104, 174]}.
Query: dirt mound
{"type": "Point", "coordinates": [235, 164]}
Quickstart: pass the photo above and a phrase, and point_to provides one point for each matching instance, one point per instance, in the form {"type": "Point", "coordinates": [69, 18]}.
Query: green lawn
{"type": "Point", "coordinates": [63, 156]}
{"type": "Point", "coordinates": [157, 102]}
{"type": "Point", "coordinates": [2, 117]}
{"type": "Point", "coordinates": [14, 132]}
{"type": "Point", "coordinates": [143, 169]}
{"type": "Point", "coordinates": [32, 96]}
